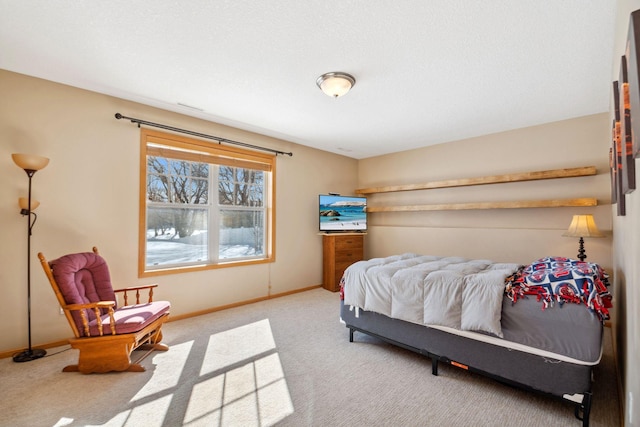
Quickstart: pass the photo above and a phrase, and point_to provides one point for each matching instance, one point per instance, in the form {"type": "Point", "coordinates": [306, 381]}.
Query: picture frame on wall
{"type": "Point", "coordinates": [633, 69]}
{"type": "Point", "coordinates": [623, 116]}
{"type": "Point", "coordinates": [612, 170]}
{"type": "Point", "coordinates": [616, 150]}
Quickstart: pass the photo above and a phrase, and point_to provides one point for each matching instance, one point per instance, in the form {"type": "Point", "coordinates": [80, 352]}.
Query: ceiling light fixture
{"type": "Point", "coordinates": [336, 83]}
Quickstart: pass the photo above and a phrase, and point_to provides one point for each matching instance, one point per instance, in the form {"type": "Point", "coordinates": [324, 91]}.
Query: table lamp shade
{"type": "Point", "coordinates": [583, 226]}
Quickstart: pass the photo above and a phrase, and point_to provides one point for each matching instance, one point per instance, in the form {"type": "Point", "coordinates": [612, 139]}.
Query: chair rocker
{"type": "Point", "coordinates": [105, 333]}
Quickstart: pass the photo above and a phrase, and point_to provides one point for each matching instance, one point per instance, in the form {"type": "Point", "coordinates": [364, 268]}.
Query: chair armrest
{"type": "Point", "coordinates": [137, 290]}
{"type": "Point", "coordinates": [133, 288]}
{"type": "Point", "coordinates": [96, 307]}
{"type": "Point", "coordinates": [90, 305]}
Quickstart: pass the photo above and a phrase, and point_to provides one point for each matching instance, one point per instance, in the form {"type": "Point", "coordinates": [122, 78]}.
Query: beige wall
{"type": "Point", "coordinates": [89, 196]}
{"type": "Point", "coordinates": [510, 235]}
{"type": "Point", "coordinates": [626, 251]}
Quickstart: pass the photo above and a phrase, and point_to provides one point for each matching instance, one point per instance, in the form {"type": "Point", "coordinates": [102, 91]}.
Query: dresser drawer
{"type": "Point", "coordinates": [348, 255]}
{"type": "Point", "coordinates": [341, 266]}
{"type": "Point", "coordinates": [349, 242]}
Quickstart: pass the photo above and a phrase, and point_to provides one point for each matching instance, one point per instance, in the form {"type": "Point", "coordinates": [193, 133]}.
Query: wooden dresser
{"type": "Point", "coordinates": [339, 251]}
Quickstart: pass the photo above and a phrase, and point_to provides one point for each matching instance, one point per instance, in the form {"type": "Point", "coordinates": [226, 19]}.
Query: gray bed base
{"type": "Point", "coordinates": [567, 381]}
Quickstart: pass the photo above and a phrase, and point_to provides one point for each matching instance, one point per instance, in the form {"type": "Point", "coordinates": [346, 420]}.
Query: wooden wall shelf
{"type": "Point", "coordinates": [494, 179]}
{"type": "Point", "coordinates": [554, 203]}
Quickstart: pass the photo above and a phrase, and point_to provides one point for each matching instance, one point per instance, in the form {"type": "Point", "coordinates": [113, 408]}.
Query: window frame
{"type": "Point", "coordinates": [151, 143]}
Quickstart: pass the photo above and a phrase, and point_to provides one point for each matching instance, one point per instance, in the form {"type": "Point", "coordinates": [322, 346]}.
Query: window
{"type": "Point", "coordinates": [202, 205]}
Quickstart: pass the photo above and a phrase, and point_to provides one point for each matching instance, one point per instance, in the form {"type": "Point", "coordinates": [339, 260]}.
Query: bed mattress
{"type": "Point", "coordinates": [527, 369]}
{"type": "Point", "coordinates": [568, 332]}
{"type": "Point", "coordinates": [562, 332]}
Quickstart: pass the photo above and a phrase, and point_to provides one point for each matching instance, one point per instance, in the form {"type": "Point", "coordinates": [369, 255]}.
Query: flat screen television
{"type": "Point", "coordinates": [342, 213]}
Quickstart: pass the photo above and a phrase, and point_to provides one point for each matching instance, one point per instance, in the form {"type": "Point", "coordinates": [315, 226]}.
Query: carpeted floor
{"type": "Point", "coordinates": [287, 362]}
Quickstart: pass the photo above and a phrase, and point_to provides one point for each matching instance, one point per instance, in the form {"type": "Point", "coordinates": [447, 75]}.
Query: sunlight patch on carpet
{"type": "Point", "coordinates": [250, 389]}
{"type": "Point", "coordinates": [236, 345]}
{"type": "Point", "coordinates": [150, 414]}
{"type": "Point", "coordinates": [168, 369]}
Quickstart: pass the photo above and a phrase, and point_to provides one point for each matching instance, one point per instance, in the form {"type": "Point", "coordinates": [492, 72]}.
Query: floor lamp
{"type": "Point", "coordinates": [30, 164]}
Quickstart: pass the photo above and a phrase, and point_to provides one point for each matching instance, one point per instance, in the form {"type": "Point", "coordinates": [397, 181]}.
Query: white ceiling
{"type": "Point", "coordinates": [427, 71]}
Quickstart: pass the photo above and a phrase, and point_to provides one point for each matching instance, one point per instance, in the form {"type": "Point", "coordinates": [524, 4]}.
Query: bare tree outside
{"type": "Point", "coordinates": [178, 210]}
{"type": "Point", "coordinates": [241, 187]}
{"type": "Point", "coordinates": [176, 182]}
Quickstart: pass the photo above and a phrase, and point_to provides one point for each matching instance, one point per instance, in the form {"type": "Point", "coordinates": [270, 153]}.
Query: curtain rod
{"type": "Point", "coordinates": [201, 135]}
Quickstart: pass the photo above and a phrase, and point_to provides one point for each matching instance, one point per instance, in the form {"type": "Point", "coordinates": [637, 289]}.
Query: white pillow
{"type": "Point", "coordinates": [443, 298]}
{"type": "Point", "coordinates": [482, 302]}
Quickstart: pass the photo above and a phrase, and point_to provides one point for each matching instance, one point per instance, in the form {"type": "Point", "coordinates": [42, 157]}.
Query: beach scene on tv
{"type": "Point", "coordinates": [341, 213]}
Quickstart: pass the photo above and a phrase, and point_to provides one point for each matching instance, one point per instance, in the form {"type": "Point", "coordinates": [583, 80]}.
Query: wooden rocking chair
{"type": "Point", "coordinates": [105, 334]}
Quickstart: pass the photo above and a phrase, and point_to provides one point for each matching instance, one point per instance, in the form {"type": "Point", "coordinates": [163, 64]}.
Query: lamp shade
{"type": "Point", "coordinates": [23, 202]}
{"type": "Point", "coordinates": [335, 84]}
{"type": "Point", "coordinates": [30, 161]}
{"type": "Point", "coordinates": [583, 226]}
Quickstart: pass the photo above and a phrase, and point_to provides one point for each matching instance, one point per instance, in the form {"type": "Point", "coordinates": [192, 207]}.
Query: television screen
{"type": "Point", "coordinates": [342, 213]}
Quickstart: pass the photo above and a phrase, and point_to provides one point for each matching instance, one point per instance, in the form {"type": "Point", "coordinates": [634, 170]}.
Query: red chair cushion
{"type": "Point", "coordinates": [83, 278]}
{"type": "Point", "coordinates": [131, 318]}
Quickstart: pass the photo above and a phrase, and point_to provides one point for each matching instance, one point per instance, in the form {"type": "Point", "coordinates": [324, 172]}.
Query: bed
{"type": "Point", "coordinates": [537, 326]}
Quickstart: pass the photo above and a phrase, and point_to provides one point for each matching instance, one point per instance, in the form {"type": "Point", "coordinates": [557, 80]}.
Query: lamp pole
{"type": "Point", "coordinates": [30, 353]}
{"type": "Point", "coordinates": [30, 164]}
{"type": "Point", "coordinates": [581, 254]}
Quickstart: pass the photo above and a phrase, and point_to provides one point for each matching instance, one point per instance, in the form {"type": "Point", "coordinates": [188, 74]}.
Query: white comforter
{"type": "Point", "coordinates": [429, 290]}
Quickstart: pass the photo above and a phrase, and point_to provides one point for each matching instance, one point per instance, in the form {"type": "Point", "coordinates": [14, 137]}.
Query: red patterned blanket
{"type": "Point", "coordinates": [561, 280]}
